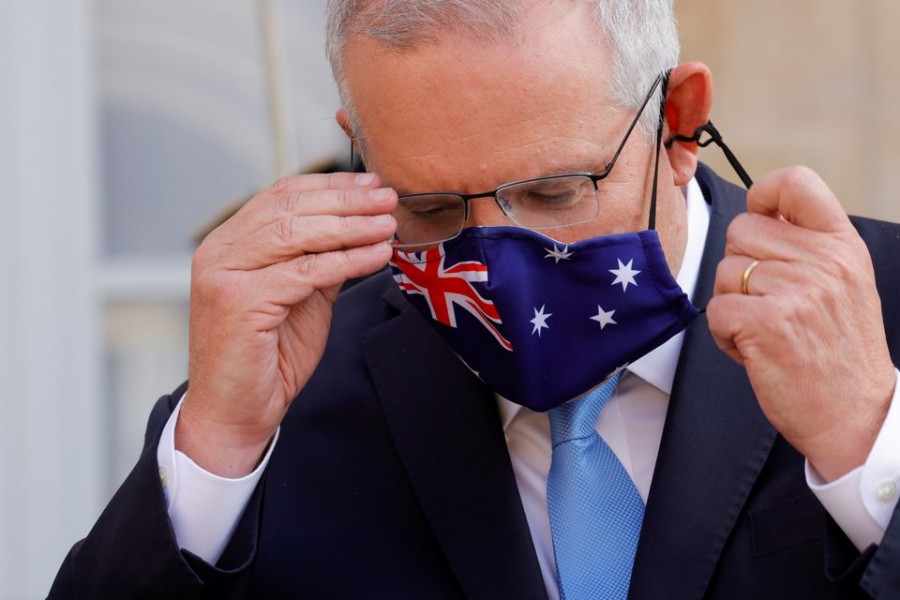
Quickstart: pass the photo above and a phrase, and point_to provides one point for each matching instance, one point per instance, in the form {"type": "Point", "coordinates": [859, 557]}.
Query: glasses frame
{"type": "Point", "coordinates": [467, 198]}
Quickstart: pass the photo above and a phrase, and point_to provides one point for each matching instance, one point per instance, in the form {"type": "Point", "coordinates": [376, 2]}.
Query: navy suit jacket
{"type": "Point", "coordinates": [391, 478]}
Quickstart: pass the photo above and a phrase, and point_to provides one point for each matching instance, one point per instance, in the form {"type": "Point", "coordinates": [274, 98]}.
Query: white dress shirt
{"type": "Point", "coordinates": [205, 508]}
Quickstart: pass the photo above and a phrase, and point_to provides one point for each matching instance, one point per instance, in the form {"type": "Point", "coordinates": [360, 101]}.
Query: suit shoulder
{"type": "Point", "coordinates": [364, 305]}
{"type": "Point", "coordinates": [877, 230]}
{"type": "Point", "coordinates": [883, 241]}
{"type": "Point", "coordinates": [726, 197]}
{"type": "Point", "coordinates": [358, 310]}
{"type": "Point", "coordinates": [340, 385]}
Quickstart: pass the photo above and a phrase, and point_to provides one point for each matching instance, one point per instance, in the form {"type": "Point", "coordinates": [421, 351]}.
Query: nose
{"type": "Point", "coordinates": [484, 212]}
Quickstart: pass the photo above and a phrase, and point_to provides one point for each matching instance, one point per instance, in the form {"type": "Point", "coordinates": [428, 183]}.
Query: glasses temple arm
{"type": "Point", "coordinates": [634, 123]}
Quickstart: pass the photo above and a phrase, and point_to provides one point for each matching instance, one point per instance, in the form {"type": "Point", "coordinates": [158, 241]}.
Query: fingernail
{"type": "Point", "coordinates": [381, 193]}
{"type": "Point", "coordinates": [365, 178]}
{"type": "Point", "coordinates": [383, 220]}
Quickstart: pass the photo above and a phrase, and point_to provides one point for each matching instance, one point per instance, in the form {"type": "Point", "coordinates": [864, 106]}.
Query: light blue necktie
{"type": "Point", "coordinates": [595, 509]}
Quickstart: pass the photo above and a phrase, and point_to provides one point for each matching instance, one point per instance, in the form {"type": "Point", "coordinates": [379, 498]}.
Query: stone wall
{"type": "Point", "coordinates": [812, 82]}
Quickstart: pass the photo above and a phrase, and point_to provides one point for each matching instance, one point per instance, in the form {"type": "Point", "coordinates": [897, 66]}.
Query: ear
{"type": "Point", "coordinates": [343, 119]}
{"type": "Point", "coordinates": [688, 106]}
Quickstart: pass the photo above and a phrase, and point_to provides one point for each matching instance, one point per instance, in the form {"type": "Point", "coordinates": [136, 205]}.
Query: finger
{"type": "Point", "coordinates": [768, 277]}
{"type": "Point", "coordinates": [341, 202]}
{"type": "Point", "coordinates": [730, 273]}
{"type": "Point", "coordinates": [801, 197]}
{"type": "Point", "coordinates": [295, 187]}
{"type": "Point", "coordinates": [290, 193]}
{"type": "Point", "coordinates": [728, 317]}
{"type": "Point", "coordinates": [767, 238]}
{"type": "Point", "coordinates": [289, 283]}
{"type": "Point", "coordinates": [266, 209]}
{"type": "Point", "coordinates": [293, 236]}
{"type": "Point", "coordinates": [324, 181]}
{"type": "Point", "coordinates": [309, 194]}
{"type": "Point", "coordinates": [720, 331]}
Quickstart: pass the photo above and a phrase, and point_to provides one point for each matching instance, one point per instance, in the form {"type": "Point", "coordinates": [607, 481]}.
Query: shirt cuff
{"type": "Point", "coordinates": [862, 502]}
{"type": "Point", "coordinates": [204, 508]}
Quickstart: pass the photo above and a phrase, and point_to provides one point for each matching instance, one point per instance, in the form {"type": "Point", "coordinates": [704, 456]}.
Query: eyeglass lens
{"type": "Point", "coordinates": [542, 203]}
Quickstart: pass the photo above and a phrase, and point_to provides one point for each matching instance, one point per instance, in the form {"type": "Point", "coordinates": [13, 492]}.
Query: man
{"type": "Point", "coordinates": [396, 472]}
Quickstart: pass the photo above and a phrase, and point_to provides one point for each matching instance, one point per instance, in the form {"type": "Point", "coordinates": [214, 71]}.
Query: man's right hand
{"type": "Point", "coordinates": [262, 290]}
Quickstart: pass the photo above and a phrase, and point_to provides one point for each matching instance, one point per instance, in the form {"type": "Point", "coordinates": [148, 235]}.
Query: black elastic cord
{"type": "Point", "coordinates": [356, 162]}
{"type": "Point", "coordinates": [714, 137]}
{"type": "Point", "coordinates": [659, 131]}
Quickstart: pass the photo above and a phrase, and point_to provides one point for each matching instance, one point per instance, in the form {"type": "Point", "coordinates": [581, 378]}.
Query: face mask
{"type": "Point", "coordinates": [541, 322]}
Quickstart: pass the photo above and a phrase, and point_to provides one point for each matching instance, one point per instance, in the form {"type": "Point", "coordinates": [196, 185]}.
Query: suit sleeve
{"type": "Point", "coordinates": [881, 578]}
{"type": "Point", "coordinates": [877, 569]}
{"type": "Point", "coordinates": [132, 552]}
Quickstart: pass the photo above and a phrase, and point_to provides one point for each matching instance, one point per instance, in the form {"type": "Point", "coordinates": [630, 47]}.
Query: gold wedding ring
{"type": "Point", "coordinates": [745, 278]}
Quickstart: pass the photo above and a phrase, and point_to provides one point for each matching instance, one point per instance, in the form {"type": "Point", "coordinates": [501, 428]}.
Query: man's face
{"type": "Point", "coordinates": [467, 116]}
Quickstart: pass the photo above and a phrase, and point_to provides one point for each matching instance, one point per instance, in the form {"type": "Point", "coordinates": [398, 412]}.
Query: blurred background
{"type": "Point", "coordinates": [127, 125]}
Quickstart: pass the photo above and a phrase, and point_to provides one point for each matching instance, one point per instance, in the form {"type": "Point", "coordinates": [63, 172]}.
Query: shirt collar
{"type": "Point", "coordinates": [658, 366]}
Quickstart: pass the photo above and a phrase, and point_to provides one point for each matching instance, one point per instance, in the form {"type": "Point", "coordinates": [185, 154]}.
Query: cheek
{"type": "Point", "coordinates": [624, 198]}
{"type": "Point", "coordinates": [624, 211]}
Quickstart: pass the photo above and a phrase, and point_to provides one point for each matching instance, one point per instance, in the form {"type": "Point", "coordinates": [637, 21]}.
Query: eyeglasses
{"type": "Point", "coordinates": [427, 219]}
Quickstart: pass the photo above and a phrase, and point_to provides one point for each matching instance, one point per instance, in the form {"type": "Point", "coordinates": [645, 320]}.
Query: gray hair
{"type": "Point", "coordinates": [641, 35]}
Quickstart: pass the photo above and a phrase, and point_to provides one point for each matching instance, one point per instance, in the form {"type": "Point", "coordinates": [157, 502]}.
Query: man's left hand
{"type": "Point", "coordinates": [805, 322]}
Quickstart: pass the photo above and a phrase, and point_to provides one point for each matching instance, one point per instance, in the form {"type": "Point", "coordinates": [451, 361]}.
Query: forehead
{"type": "Point", "coordinates": [463, 113]}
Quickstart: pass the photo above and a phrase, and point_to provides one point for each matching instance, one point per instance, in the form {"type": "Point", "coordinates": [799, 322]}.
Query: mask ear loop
{"type": "Point", "coordinates": [356, 161]}
{"type": "Point", "coordinates": [716, 138]}
{"type": "Point", "coordinates": [659, 131]}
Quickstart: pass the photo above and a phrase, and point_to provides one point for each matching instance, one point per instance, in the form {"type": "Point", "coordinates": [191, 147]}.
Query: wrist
{"type": "Point", "coordinates": [849, 444]}
{"type": "Point", "coordinates": [226, 450]}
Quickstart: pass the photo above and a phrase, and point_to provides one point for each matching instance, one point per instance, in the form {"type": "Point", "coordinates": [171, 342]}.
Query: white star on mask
{"type": "Point", "coordinates": [540, 320]}
{"type": "Point", "coordinates": [624, 274]}
{"type": "Point", "coordinates": [557, 254]}
{"type": "Point", "coordinates": [604, 318]}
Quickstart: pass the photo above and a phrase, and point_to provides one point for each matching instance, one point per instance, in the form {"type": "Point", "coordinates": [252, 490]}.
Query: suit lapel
{"type": "Point", "coordinates": [447, 430]}
{"type": "Point", "coordinates": [716, 441]}
{"type": "Point", "coordinates": [714, 445]}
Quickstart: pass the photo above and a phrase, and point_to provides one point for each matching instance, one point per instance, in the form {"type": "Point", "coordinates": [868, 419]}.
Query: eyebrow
{"type": "Point", "coordinates": [561, 169]}
{"type": "Point", "coordinates": [571, 167]}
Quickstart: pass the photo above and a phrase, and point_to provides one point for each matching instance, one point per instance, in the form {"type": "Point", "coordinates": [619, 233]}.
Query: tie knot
{"type": "Point", "coordinates": [578, 418]}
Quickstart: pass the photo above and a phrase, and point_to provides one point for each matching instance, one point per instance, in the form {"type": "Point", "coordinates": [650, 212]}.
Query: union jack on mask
{"type": "Point", "coordinates": [541, 322]}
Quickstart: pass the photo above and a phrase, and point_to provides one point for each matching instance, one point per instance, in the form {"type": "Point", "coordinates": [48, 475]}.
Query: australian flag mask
{"type": "Point", "coordinates": [542, 322]}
